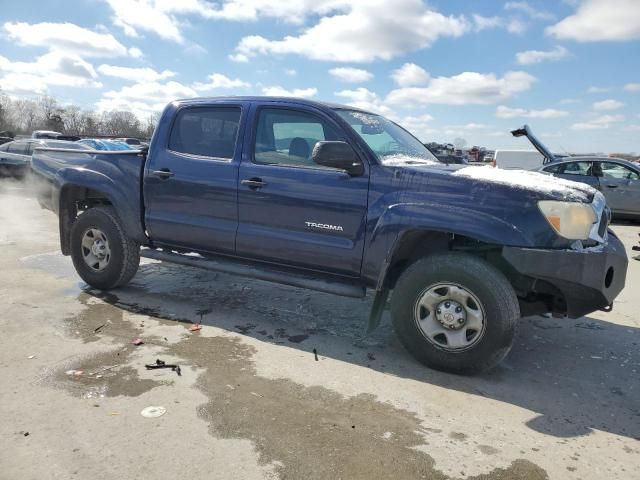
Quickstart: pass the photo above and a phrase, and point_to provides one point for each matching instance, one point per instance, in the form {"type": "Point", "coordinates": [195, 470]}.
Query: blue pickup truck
{"type": "Point", "coordinates": [340, 200]}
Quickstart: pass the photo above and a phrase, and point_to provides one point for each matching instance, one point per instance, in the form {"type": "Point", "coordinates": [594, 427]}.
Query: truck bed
{"type": "Point", "coordinates": [116, 173]}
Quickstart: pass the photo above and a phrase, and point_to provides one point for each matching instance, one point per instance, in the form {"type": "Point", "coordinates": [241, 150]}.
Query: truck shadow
{"type": "Point", "coordinates": [576, 375]}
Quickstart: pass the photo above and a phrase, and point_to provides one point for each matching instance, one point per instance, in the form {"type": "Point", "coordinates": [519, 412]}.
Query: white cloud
{"type": "Point", "coordinates": [516, 26]}
{"type": "Point", "coordinates": [536, 56]}
{"type": "Point", "coordinates": [608, 105]}
{"type": "Point", "coordinates": [569, 101]}
{"type": "Point", "coordinates": [597, 123]}
{"type": "Point", "coordinates": [632, 87]}
{"type": "Point", "coordinates": [144, 97]}
{"type": "Point", "coordinates": [218, 81]}
{"type": "Point", "coordinates": [135, 52]}
{"type": "Point", "coordinates": [292, 72]}
{"type": "Point", "coordinates": [419, 125]}
{"type": "Point", "coordinates": [53, 68]}
{"type": "Point", "coordinates": [600, 20]}
{"type": "Point", "coordinates": [530, 11]}
{"type": "Point", "coordinates": [67, 37]}
{"type": "Point", "coordinates": [506, 112]}
{"type": "Point", "coordinates": [351, 75]}
{"type": "Point", "coordinates": [238, 58]}
{"type": "Point", "coordinates": [597, 90]}
{"type": "Point", "coordinates": [364, 99]}
{"type": "Point", "coordinates": [464, 89]}
{"type": "Point", "coordinates": [363, 32]}
{"type": "Point", "coordinates": [411, 75]}
{"type": "Point", "coordinates": [135, 74]}
{"type": "Point", "coordinates": [278, 91]}
{"type": "Point", "coordinates": [167, 18]}
{"type": "Point", "coordinates": [485, 23]}
{"type": "Point", "coordinates": [632, 128]}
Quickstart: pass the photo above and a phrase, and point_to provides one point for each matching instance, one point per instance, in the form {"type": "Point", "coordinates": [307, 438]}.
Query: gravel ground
{"type": "Point", "coordinates": [253, 402]}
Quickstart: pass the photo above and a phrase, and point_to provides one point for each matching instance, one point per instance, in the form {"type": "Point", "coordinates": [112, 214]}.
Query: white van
{"type": "Point", "coordinates": [522, 159]}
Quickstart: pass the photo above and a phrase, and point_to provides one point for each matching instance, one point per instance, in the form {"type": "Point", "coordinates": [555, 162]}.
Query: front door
{"type": "Point", "coordinates": [621, 186]}
{"type": "Point", "coordinates": [190, 186]}
{"type": "Point", "coordinates": [291, 210]}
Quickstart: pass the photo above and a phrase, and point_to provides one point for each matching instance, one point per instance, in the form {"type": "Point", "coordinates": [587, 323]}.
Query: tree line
{"type": "Point", "coordinates": [21, 116]}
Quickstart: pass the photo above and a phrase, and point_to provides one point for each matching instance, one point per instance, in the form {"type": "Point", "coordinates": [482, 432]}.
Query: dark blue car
{"type": "Point", "coordinates": [340, 200]}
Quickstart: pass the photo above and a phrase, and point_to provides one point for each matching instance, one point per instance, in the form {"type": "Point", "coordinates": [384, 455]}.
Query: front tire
{"type": "Point", "coordinates": [102, 254]}
{"type": "Point", "coordinates": [455, 312]}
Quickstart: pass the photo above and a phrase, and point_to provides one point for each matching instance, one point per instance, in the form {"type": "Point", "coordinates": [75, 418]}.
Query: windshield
{"type": "Point", "coordinates": [392, 144]}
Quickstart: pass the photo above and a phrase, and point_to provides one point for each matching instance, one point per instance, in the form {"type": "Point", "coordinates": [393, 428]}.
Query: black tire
{"type": "Point", "coordinates": [487, 283]}
{"type": "Point", "coordinates": [125, 252]}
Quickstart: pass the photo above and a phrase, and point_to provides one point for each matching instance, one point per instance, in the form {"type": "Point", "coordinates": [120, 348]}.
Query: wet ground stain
{"type": "Point", "coordinates": [307, 432]}
{"type": "Point", "coordinates": [313, 432]}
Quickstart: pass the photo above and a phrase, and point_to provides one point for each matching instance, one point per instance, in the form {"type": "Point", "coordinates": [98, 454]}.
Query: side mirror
{"type": "Point", "coordinates": [337, 155]}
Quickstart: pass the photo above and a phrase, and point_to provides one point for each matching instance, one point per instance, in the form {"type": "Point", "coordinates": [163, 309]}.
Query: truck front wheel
{"type": "Point", "coordinates": [455, 312]}
{"type": "Point", "coordinates": [102, 254]}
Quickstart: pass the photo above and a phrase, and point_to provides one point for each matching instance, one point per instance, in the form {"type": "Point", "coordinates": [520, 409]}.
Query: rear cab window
{"type": "Point", "coordinates": [206, 131]}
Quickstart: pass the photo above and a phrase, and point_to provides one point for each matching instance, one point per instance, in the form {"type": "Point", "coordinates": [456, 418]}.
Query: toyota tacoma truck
{"type": "Point", "coordinates": [340, 200]}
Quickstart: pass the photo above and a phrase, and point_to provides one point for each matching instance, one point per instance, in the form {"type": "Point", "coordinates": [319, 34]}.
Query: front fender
{"type": "Point", "coordinates": [399, 219]}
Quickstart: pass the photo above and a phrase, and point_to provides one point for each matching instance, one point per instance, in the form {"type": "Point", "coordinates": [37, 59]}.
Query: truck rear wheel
{"type": "Point", "coordinates": [455, 312]}
{"type": "Point", "coordinates": [102, 254]}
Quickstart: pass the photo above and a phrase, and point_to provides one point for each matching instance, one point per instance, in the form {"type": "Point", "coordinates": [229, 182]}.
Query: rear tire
{"type": "Point", "coordinates": [455, 312]}
{"type": "Point", "coordinates": [102, 254]}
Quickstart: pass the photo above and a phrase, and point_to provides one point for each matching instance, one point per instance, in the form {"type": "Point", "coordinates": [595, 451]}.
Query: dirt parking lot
{"type": "Point", "coordinates": [252, 400]}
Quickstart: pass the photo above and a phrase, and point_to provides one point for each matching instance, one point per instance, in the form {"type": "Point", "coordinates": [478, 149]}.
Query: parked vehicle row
{"type": "Point", "coordinates": [15, 156]}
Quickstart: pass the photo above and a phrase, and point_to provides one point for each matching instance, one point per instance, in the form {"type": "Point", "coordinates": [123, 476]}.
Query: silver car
{"type": "Point", "coordinates": [618, 180]}
{"type": "Point", "coordinates": [15, 157]}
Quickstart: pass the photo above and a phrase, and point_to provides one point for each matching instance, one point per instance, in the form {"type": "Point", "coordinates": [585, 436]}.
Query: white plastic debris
{"type": "Point", "coordinates": [153, 412]}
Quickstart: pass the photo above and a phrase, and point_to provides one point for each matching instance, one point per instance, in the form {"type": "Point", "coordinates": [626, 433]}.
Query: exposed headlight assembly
{"type": "Point", "coordinates": [570, 220]}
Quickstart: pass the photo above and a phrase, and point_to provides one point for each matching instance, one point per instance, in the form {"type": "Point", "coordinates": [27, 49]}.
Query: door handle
{"type": "Point", "coordinates": [163, 173]}
{"type": "Point", "coordinates": [253, 183]}
{"type": "Point", "coordinates": [612, 186]}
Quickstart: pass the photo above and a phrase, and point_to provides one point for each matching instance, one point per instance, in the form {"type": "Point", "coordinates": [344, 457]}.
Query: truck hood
{"type": "Point", "coordinates": [512, 184]}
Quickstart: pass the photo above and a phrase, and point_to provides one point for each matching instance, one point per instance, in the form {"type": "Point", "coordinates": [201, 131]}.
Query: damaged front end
{"type": "Point", "coordinates": [575, 281]}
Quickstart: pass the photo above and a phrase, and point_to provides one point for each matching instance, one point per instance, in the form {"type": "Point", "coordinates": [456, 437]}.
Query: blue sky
{"type": "Point", "coordinates": [442, 68]}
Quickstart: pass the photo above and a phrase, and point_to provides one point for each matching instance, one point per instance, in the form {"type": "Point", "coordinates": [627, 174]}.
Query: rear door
{"type": "Point", "coordinates": [621, 186]}
{"type": "Point", "coordinates": [291, 210]}
{"type": "Point", "coordinates": [190, 184]}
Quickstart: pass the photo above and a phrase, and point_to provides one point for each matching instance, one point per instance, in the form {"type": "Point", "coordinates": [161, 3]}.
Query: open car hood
{"type": "Point", "coordinates": [525, 131]}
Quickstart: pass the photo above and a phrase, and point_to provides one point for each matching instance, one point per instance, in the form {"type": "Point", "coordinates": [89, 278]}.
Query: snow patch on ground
{"type": "Point", "coordinates": [529, 181]}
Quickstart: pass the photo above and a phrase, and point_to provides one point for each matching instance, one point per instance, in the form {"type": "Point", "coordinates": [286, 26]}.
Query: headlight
{"type": "Point", "coordinates": [571, 220]}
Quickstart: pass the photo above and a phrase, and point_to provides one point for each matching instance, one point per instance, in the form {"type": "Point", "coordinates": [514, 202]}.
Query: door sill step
{"type": "Point", "coordinates": [260, 272]}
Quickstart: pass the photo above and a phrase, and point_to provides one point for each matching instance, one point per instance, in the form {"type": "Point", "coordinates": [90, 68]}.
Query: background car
{"type": "Point", "coordinates": [617, 179]}
{"type": "Point", "coordinates": [15, 156]}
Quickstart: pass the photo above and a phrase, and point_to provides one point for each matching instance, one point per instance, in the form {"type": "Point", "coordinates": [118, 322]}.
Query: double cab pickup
{"type": "Point", "coordinates": [340, 200]}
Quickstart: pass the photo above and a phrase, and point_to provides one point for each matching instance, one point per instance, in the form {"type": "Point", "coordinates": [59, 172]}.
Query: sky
{"type": "Point", "coordinates": [444, 69]}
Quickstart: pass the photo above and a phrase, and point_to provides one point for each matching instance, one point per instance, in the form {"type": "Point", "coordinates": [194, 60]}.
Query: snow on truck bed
{"type": "Point", "coordinates": [529, 180]}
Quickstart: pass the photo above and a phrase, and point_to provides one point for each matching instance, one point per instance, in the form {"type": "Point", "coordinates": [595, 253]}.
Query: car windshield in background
{"type": "Point", "coordinates": [392, 144]}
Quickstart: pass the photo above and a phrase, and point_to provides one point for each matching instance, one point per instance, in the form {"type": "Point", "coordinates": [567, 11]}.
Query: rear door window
{"type": "Point", "coordinates": [576, 168]}
{"type": "Point", "coordinates": [17, 147]}
{"type": "Point", "coordinates": [554, 169]}
{"type": "Point", "coordinates": [206, 131]}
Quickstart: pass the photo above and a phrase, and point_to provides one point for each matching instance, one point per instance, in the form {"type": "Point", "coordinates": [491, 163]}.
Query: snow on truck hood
{"type": "Point", "coordinates": [532, 181]}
